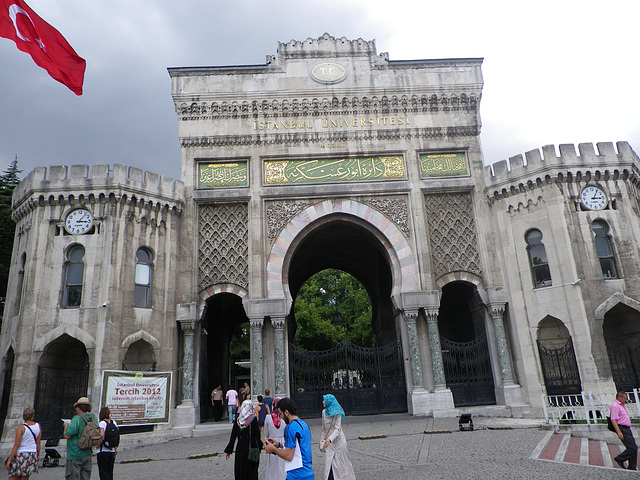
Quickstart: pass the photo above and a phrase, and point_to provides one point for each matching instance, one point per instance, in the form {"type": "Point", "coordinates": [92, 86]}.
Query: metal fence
{"type": "Point", "coordinates": [585, 407]}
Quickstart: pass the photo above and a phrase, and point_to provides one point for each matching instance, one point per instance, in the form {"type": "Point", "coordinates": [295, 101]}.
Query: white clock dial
{"type": "Point", "coordinates": [593, 198]}
{"type": "Point", "coordinates": [78, 222]}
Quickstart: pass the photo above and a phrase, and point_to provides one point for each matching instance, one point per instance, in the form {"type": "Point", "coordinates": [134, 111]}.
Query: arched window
{"type": "Point", "coordinates": [144, 270]}
{"type": "Point", "coordinates": [604, 249]}
{"type": "Point", "coordinates": [73, 277]}
{"type": "Point", "coordinates": [537, 259]}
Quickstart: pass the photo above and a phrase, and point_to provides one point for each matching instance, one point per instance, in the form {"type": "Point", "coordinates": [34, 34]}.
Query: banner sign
{"type": "Point", "coordinates": [227, 174]}
{"type": "Point", "coordinates": [333, 170]}
{"type": "Point", "coordinates": [137, 398]}
{"type": "Point", "coordinates": [443, 165]}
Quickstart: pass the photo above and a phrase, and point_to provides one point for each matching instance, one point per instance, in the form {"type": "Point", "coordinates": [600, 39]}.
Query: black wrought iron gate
{"type": "Point", "coordinates": [364, 380]}
{"type": "Point", "coordinates": [560, 369]}
{"type": "Point", "coordinates": [625, 365]}
{"type": "Point", "coordinates": [467, 369]}
{"type": "Point", "coordinates": [56, 391]}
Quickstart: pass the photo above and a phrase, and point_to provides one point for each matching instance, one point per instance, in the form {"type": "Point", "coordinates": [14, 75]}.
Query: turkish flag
{"type": "Point", "coordinates": [45, 44]}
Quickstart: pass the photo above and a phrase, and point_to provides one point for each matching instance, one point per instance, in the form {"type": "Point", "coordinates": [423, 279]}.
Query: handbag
{"type": "Point", "coordinates": [322, 447]}
{"type": "Point", "coordinates": [610, 425]}
{"type": "Point", "coordinates": [254, 452]}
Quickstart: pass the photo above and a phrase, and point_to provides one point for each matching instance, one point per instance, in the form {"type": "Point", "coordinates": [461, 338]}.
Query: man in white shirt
{"type": "Point", "coordinates": [232, 403]}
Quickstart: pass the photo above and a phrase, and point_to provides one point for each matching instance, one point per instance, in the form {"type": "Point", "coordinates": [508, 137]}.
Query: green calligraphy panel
{"type": "Point", "coordinates": [443, 165]}
{"type": "Point", "coordinates": [224, 174]}
{"type": "Point", "coordinates": [333, 170]}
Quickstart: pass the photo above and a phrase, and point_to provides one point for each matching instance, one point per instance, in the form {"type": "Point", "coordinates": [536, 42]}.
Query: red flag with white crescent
{"type": "Point", "coordinates": [45, 44]}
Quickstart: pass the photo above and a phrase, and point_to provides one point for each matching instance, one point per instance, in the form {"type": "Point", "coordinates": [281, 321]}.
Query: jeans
{"type": "Point", "coordinates": [232, 412]}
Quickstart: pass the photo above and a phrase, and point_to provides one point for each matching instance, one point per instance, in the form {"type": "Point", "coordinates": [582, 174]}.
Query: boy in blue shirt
{"type": "Point", "coordinates": [296, 431]}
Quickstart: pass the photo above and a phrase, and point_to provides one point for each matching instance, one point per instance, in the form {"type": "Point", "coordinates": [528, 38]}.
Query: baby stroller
{"type": "Point", "coordinates": [51, 455]}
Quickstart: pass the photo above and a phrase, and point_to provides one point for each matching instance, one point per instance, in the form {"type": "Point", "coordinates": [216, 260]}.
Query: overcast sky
{"type": "Point", "coordinates": [554, 71]}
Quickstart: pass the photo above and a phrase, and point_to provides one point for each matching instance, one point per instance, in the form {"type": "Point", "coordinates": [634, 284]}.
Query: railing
{"type": "Point", "coordinates": [585, 407]}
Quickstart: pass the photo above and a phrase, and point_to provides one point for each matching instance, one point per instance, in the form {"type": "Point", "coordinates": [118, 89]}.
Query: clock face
{"type": "Point", "coordinates": [593, 198]}
{"type": "Point", "coordinates": [78, 222]}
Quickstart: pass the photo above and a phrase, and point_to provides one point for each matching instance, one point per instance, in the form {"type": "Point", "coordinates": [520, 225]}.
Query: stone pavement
{"type": "Point", "coordinates": [498, 448]}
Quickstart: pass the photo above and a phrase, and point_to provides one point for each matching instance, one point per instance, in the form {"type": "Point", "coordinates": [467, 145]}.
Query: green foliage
{"type": "Point", "coordinates": [8, 181]}
{"type": "Point", "coordinates": [324, 294]}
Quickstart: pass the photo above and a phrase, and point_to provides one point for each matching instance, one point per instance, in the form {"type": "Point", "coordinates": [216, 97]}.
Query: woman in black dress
{"type": "Point", "coordinates": [247, 432]}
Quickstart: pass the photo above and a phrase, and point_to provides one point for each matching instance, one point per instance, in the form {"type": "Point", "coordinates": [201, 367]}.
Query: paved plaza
{"type": "Point", "coordinates": [496, 449]}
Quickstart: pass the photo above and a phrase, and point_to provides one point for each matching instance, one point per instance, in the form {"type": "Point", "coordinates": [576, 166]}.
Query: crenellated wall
{"type": "Point", "coordinates": [518, 174]}
{"type": "Point", "coordinates": [115, 184]}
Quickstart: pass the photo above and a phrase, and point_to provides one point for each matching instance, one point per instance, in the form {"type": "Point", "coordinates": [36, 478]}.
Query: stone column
{"type": "Point", "coordinates": [411, 317]}
{"type": "Point", "coordinates": [439, 380]}
{"type": "Point", "coordinates": [496, 310]}
{"type": "Point", "coordinates": [188, 328]}
{"type": "Point", "coordinates": [278, 354]}
{"type": "Point", "coordinates": [257, 369]}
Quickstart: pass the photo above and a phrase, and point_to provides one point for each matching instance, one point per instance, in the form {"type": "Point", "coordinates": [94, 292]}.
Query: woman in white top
{"type": "Point", "coordinates": [25, 454]}
{"type": "Point", "coordinates": [106, 456]}
{"type": "Point", "coordinates": [274, 428]}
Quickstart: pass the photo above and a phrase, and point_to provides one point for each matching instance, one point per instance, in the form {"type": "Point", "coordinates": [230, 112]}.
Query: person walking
{"type": "Point", "coordinates": [246, 432]}
{"type": "Point", "coordinates": [78, 465]}
{"type": "Point", "coordinates": [268, 400]}
{"type": "Point", "coordinates": [261, 412]}
{"type": "Point", "coordinates": [232, 403]}
{"type": "Point", "coordinates": [274, 428]}
{"type": "Point", "coordinates": [25, 454]}
{"type": "Point", "coordinates": [216, 402]}
{"type": "Point", "coordinates": [299, 460]}
{"type": "Point", "coordinates": [106, 455]}
{"type": "Point", "coordinates": [622, 425]}
{"type": "Point", "coordinates": [337, 465]}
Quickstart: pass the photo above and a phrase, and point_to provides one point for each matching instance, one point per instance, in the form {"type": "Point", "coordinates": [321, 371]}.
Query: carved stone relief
{"type": "Point", "coordinates": [281, 212]}
{"type": "Point", "coordinates": [223, 245]}
{"type": "Point", "coordinates": [394, 208]}
{"type": "Point", "coordinates": [452, 231]}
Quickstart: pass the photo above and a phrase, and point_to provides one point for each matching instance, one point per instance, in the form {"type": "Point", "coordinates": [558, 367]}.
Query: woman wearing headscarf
{"type": "Point", "coordinates": [337, 465]}
{"type": "Point", "coordinates": [246, 431]}
{"type": "Point", "coordinates": [274, 428]}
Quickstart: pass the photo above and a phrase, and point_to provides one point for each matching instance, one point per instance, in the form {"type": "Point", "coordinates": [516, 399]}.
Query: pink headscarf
{"type": "Point", "coordinates": [275, 416]}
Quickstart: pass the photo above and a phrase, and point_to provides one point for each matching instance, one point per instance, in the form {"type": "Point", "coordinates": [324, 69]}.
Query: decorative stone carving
{"type": "Point", "coordinates": [348, 106]}
{"type": "Point", "coordinates": [394, 208]}
{"type": "Point", "coordinates": [274, 138]}
{"type": "Point", "coordinates": [280, 213]}
{"type": "Point", "coordinates": [452, 231]}
{"type": "Point", "coordinates": [223, 245]}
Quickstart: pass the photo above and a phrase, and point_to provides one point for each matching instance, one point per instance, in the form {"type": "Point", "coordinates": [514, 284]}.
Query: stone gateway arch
{"type": "Point", "coordinates": [490, 286]}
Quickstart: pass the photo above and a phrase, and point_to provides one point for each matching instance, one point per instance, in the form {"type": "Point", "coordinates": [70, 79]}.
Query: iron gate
{"type": "Point", "coordinates": [56, 392]}
{"type": "Point", "coordinates": [560, 369]}
{"type": "Point", "coordinates": [364, 380]}
{"type": "Point", "coordinates": [467, 369]}
{"type": "Point", "coordinates": [625, 366]}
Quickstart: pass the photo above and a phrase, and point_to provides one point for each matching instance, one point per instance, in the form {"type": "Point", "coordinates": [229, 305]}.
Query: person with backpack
{"type": "Point", "coordinates": [82, 433]}
{"type": "Point", "coordinates": [109, 444]}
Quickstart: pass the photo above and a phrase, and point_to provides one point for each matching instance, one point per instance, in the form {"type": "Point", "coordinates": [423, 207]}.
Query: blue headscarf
{"type": "Point", "coordinates": [332, 407]}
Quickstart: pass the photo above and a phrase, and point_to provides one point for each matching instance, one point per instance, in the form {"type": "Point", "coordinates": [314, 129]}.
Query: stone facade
{"type": "Point", "coordinates": [332, 155]}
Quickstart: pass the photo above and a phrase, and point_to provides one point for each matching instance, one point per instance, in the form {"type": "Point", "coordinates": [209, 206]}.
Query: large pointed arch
{"type": "Point", "coordinates": [401, 258]}
{"type": "Point", "coordinates": [73, 332]}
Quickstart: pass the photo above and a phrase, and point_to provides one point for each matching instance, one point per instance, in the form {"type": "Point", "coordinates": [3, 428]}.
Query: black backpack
{"type": "Point", "coordinates": [111, 435]}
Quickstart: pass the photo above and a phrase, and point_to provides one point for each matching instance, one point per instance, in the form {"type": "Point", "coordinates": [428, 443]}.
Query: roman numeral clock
{"type": "Point", "coordinates": [593, 198]}
{"type": "Point", "coordinates": [78, 222]}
